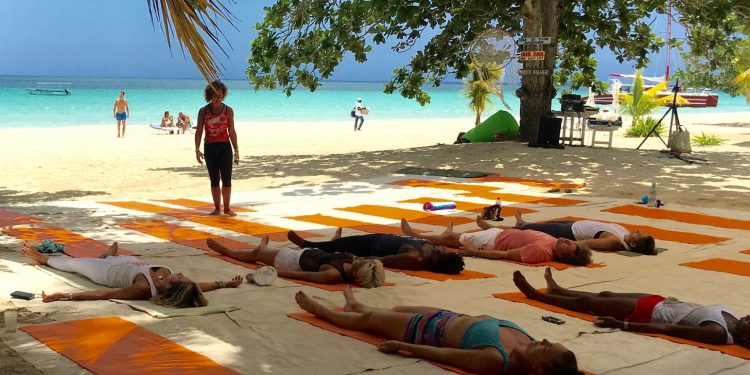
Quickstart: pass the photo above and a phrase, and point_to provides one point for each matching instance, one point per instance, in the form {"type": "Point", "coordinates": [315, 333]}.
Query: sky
{"type": "Point", "coordinates": [107, 38]}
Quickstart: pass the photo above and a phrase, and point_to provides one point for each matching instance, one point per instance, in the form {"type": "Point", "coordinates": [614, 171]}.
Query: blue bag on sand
{"type": "Point", "coordinates": [49, 247]}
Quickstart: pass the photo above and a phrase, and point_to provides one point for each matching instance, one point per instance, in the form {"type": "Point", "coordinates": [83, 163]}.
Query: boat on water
{"type": "Point", "coordinates": [51, 88]}
{"type": "Point", "coordinates": [699, 98]}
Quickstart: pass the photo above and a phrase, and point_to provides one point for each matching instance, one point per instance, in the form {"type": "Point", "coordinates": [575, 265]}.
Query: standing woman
{"type": "Point", "coordinates": [217, 119]}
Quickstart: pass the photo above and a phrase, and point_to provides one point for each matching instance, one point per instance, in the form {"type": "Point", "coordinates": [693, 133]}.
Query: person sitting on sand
{"type": "Point", "coordinates": [476, 344]}
{"type": "Point", "coordinates": [597, 235]}
{"type": "Point", "coordinates": [183, 122]}
{"type": "Point", "coordinates": [525, 246]}
{"type": "Point", "coordinates": [130, 279]}
{"type": "Point", "coordinates": [310, 264]}
{"type": "Point", "coordinates": [646, 313]}
{"type": "Point", "coordinates": [399, 252]}
{"type": "Point", "coordinates": [167, 121]}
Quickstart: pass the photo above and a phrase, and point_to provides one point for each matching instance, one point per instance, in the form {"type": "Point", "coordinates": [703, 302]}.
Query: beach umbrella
{"type": "Point", "coordinates": [616, 94]}
{"type": "Point", "coordinates": [590, 99]}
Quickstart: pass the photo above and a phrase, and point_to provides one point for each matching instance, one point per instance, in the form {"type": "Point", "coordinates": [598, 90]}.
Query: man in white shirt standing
{"type": "Point", "coordinates": [358, 115]}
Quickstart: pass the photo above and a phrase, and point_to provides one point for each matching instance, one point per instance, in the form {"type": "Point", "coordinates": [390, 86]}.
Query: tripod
{"type": "Point", "coordinates": [673, 121]}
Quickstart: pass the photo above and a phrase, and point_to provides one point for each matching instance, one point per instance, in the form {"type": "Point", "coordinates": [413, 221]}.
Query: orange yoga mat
{"type": "Point", "coordinates": [10, 218]}
{"type": "Point", "coordinates": [733, 350]}
{"type": "Point", "coordinates": [556, 265]}
{"type": "Point", "coordinates": [200, 205]}
{"type": "Point", "coordinates": [488, 192]}
{"type": "Point", "coordinates": [223, 222]}
{"type": "Point", "coordinates": [530, 182]}
{"type": "Point", "coordinates": [721, 265]}
{"type": "Point", "coordinates": [745, 251]}
{"type": "Point", "coordinates": [362, 336]}
{"type": "Point", "coordinates": [471, 206]}
{"type": "Point", "coordinates": [76, 246]}
{"type": "Point", "coordinates": [680, 216]}
{"type": "Point", "coordinates": [114, 345]}
{"type": "Point", "coordinates": [337, 222]}
{"type": "Point", "coordinates": [464, 275]}
{"type": "Point", "coordinates": [662, 234]}
{"type": "Point", "coordinates": [395, 213]}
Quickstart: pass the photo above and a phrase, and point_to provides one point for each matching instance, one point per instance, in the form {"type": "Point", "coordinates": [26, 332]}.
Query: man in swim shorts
{"type": "Point", "coordinates": [121, 111]}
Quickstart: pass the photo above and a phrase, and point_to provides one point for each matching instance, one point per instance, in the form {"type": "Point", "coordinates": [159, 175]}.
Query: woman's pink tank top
{"type": "Point", "coordinates": [216, 126]}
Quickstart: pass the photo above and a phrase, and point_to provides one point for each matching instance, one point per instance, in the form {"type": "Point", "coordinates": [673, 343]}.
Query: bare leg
{"type": "Point", "coordinates": [295, 238]}
{"type": "Point", "coordinates": [226, 194]}
{"type": "Point", "coordinates": [123, 127]}
{"type": "Point", "coordinates": [447, 238]}
{"type": "Point", "coordinates": [336, 235]}
{"type": "Point", "coordinates": [112, 251]}
{"type": "Point", "coordinates": [519, 219]}
{"type": "Point", "coordinates": [616, 307]}
{"type": "Point", "coordinates": [262, 253]}
{"type": "Point", "coordinates": [484, 224]}
{"type": "Point", "coordinates": [383, 322]}
{"type": "Point", "coordinates": [33, 254]}
{"type": "Point", "coordinates": [554, 288]}
{"type": "Point", "coordinates": [216, 196]}
{"type": "Point", "coordinates": [353, 305]}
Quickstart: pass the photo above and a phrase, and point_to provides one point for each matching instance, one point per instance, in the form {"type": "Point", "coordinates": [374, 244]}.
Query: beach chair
{"type": "Point", "coordinates": [161, 130]}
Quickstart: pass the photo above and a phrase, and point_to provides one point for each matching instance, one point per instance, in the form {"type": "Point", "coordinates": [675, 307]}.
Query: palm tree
{"type": "Point", "coordinates": [641, 103]}
{"type": "Point", "coordinates": [743, 80]}
{"type": "Point", "coordinates": [186, 20]}
{"type": "Point", "coordinates": [484, 82]}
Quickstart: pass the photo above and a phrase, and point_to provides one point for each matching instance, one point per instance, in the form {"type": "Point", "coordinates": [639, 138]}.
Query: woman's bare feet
{"type": "Point", "coordinates": [263, 242]}
{"type": "Point", "coordinates": [552, 287]}
{"type": "Point", "coordinates": [216, 246]}
{"type": "Point", "coordinates": [33, 254]}
{"type": "Point", "coordinates": [337, 234]}
{"type": "Point", "coordinates": [519, 219]}
{"type": "Point", "coordinates": [112, 251]}
{"type": "Point", "coordinates": [406, 228]}
{"type": "Point", "coordinates": [524, 285]}
{"type": "Point", "coordinates": [229, 212]}
{"type": "Point", "coordinates": [307, 303]}
{"type": "Point", "coordinates": [215, 213]}
{"type": "Point", "coordinates": [351, 302]}
{"type": "Point", "coordinates": [482, 223]}
{"type": "Point", "coordinates": [448, 230]}
{"type": "Point", "coordinates": [295, 238]}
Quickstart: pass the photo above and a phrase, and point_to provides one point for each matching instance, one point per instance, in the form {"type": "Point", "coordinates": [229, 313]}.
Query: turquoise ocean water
{"type": "Point", "coordinates": [93, 99]}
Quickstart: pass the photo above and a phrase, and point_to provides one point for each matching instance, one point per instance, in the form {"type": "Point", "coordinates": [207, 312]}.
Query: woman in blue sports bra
{"type": "Point", "coordinates": [477, 344]}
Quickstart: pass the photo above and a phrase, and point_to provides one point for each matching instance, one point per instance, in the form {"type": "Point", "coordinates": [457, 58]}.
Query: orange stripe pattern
{"type": "Point", "coordinates": [662, 234]}
{"type": "Point", "coordinates": [680, 216]}
{"type": "Point", "coordinates": [470, 206]}
{"type": "Point", "coordinates": [76, 246]}
{"type": "Point", "coordinates": [336, 222]}
{"type": "Point", "coordinates": [114, 345]}
{"type": "Point", "coordinates": [721, 265]}
{"type": "Point", "coordinates": [396, 213]}
{"type": "Point", "coordinates": [10, 218]}
{"type": "Point", "coordinates": [200, 205]}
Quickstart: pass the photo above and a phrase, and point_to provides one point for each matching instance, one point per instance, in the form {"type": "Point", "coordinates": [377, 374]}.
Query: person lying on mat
{"type": "Point", "coordinates": [477, 344]}
{"type": "Point", "coordinates": [310, 264]}
{"type": "Point", "coordinates": [646, 313]}
{"type": "Point", "coordinates": [597, 235]}
{"type": "Point", "coordinates": [525, 246]}
{"type": "Point", "coordinates": [399, 252]}
{"type": "Point", "coordinates": [130, 279]}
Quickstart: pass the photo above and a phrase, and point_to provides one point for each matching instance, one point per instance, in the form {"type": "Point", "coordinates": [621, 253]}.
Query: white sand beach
{"type": "Point", "coordinates": [287, 169]}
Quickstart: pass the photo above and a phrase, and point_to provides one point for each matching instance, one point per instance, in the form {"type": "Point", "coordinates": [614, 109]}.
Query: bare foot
{"type": "Point", "coordinates": [406, 228]}
{"type": "Point", "coordinates": [519, 219]}
{"type": "Point", "coordinates": [112, 251]}
{"type": "Point", "coordinates": [229, 212]}
{"type": "Point", "coordinates": [524, 285]}
{"type": "Point", "coordinates": [482, 223]}
{"type": "Point", "coordinates": [337, 234]}
{"type": "Point", "coordinates": [307, 303]}
{"type": "Point", "coordinates": [351, 302]}
{"type": "Point", "coordinates": [33, 254]}
{"type": "Point", "coordinates": [448, 230]}
{"type": "Point", "coordinates": [263, 242]}
{"type": "Point", "coordinates": [216, 246]}
{"type": "Point", "coordinates": [215, 213]}
{"type": "Point", "coordinates": [295, 238]}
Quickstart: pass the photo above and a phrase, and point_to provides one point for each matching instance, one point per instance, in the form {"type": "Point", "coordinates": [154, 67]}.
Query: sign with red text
{"type": "Point", "coordinates": [532, 55]}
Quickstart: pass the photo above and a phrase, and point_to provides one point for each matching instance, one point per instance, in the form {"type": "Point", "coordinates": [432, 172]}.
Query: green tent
{"type": "Point", "coordinates": [500, 122]}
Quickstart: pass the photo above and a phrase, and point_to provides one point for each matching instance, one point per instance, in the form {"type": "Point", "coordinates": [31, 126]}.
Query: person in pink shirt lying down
{"type": "Point", "coordinates": [525, 246]}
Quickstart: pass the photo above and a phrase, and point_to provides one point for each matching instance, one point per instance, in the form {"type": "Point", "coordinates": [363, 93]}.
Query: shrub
{"type": "Point", "coordinates": [641, 127]}
{"type": "Point", "coordinates": [707, 140]}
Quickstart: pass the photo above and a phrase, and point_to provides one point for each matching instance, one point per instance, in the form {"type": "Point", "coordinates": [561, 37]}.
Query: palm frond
{"type": "Point", "coordinates": [188, 21]}
{"type": "Point", "coordinates": [743, 80]}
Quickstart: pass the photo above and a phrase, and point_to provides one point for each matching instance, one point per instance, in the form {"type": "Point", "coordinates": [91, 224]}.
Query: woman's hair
{"type": "Point", "coordinates": [370, 274]}
{"type": "Point", "coordinates": [166, 113]}
{"type": "Point", "coordinates": [645, 245]}
{"type": "Point", "coordinates": [450, 263]}
{"type": "Point", "coordinates": [565, 365]}
{"type": "Point", "coordinates": [580, 257]}
{"type": "Point", "coordinates": [212, 88]}
{"type": "Point", "coordinates": [183, 294]}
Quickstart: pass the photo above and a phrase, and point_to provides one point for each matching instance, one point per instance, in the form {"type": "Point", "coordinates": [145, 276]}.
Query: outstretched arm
{"type": "Point", "coordinates": [477, 361]}
{"type": "Point", "coordinates": [213, 285]}
{"type": "Point", "coordinates": [404, 261]}
{"type": "Point", "coordinates": [710, 333]}
{"type": "Point", "coordinates": [512, 254]}
{"type": "Point", "coordinates": [129, 293]}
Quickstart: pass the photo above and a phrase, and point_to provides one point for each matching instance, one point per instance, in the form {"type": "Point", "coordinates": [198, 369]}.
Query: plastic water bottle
{"type": "Point", "coordinates": [652, 195]}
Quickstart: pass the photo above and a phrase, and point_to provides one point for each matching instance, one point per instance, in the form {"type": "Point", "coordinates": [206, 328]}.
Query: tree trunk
{"type": "Point", "coordinates": [540, 18]}
{"type": "Point", "coordinates": [478, 119]}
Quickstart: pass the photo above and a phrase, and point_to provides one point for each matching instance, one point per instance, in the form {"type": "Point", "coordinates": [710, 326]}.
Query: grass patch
{"type": "Point", "coordinates": [642, 127]}
{"type": "Point", "coordinates": [707, 140]}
